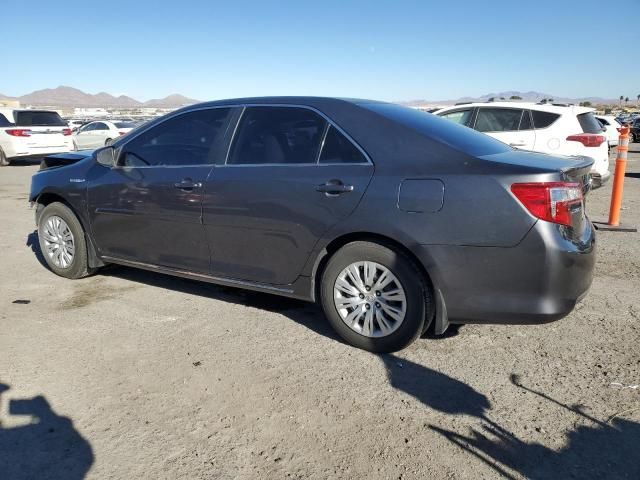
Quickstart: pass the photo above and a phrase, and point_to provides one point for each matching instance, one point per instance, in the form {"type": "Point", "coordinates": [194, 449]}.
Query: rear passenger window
{"type": "Point", "coordinates": [498, 119]}
{"type": "Point", "coordinates": [543, 119]}
{"type": "Point", "coordinates": [189, 139]}
{"type": "Point", "coordinates": [339, 149]}
{"type": "Point", "coordinates": [525, 121]}
{"type": "Point", "coordinates": [277, 135]}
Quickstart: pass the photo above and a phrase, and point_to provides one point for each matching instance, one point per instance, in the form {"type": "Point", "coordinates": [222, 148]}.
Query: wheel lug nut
{"type": "Point", "coordinates": [367, 288]}
{"type": "Point", "coordinates": [378, 294]}
{"type": "Point", "coordinates": [361, 295]}
{"type": "Point", "coordinates": [367, 306]}
{"type": "Point", "coordinates": [377, 305]}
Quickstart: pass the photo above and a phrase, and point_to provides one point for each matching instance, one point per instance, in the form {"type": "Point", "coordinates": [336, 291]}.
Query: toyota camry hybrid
{"type": "Point", "coordinates": [394, 220]}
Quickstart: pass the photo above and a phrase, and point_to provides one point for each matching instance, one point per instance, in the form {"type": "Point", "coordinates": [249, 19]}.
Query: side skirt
{"type": "Point", "coordinates": [299, 289]}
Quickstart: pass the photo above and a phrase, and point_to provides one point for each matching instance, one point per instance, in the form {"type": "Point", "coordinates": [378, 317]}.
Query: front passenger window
{"type": "Point", "coordinates": [192, 138]}
{"type": "Point", "coordinates": [462, 117]}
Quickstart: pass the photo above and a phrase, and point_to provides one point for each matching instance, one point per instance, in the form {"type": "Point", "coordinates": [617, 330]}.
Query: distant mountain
{"type": "Point", "coordinates": [64, 96]}
{"type": "Point", "coordinates": [531, 96]}
{"type": "Point", "coordinates": [175, 100]}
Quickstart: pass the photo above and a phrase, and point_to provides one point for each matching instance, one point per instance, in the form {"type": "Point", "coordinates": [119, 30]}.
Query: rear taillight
{"type": "Point", "coordinates": [122, 133]}
{"type": "Point", "coordinates": [587, 139]}
{"type": "Point", "coordinates": [551, 201]}
{"type": "Point", "coordinates": [66, 132]}
{"type": "Point", "coordinates": [19, 132]}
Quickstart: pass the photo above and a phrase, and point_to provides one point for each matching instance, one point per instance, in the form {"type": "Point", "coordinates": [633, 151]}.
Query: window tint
{"type": "Point", "coordinates": [100, 126]}
{"type": "Point", "coordinates": [525, 121]}
{"type": "Point", "coordinates": [34, 118]}
{"type": "Point", "coordinates": [339, 149]}
{"type": "Point", "coordinates": [462, 117]}
{"type": "Point", "coordinates": [88, 128]}
{"type": "Point", "coordinates": [543, 119]}
{"type": "Point", "coordinates": [603, 121]}
{"type": "Point", "coordinates": [124, 125]}
{"type": "Point", "coordinates": [277, 135]}
{"type": "Point", "coordinates": [431, 126]}
{"type": "Point", "coordinates": [498, 119]}
{"type": "Point", "coordinates": [589, 123]}
{"type": "Point", "coordinates": [189, 139]}
{"type": "Point", "coordinates": [4, 122]}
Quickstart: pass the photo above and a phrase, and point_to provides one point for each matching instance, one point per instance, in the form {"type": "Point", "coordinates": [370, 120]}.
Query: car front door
{"type": "Point", "coordinates": [290, 175]}
{"type": "Point", "coordinates": [147, 208]}
{"type": "Point", "coordinates": [83, 136]}
{"type": "Point", "coordinates": [509, 125]}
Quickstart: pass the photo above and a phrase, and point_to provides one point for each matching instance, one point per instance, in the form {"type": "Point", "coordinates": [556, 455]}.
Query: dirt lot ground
{"type": "Point", "coordinates": [130, 374]}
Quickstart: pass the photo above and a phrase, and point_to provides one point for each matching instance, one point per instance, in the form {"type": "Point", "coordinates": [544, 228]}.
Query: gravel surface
{"type": "Point", "coordinates": [130, 374]}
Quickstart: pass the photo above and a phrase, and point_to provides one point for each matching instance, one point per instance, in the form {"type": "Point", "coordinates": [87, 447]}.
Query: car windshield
{"type": "Point", "coordinates": [450, 133]}
{"type": "Point", "coordinates": [124, 125]}
{"type": "Point", "coordinates": [34, 118]}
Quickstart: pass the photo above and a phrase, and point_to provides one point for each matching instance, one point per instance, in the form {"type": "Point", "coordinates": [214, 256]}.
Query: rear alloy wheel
{"type": "Point", "coordinates": [4, 161]}
{"type": "Point", "coordinates": [374, 297]}
{"type": "Point", "coordinates": [62, 242]}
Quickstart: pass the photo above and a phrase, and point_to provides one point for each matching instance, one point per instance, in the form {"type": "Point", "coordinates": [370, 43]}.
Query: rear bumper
{"type": "Point", "coordinates": [599, 179]}
{"type": "Point", "coordinates": [538, 281]}
{"type": "Point", "coordinates": [13, 151]}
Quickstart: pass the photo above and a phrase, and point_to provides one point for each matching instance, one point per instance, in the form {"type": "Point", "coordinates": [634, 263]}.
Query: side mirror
{"type": "Point", "coordinates": [106, 156]}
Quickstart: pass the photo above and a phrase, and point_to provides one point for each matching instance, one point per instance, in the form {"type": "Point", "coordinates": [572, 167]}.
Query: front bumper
{"type": "Point", "coordinates": [538, 281]}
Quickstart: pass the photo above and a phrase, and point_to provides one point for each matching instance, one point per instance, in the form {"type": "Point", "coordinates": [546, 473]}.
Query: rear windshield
{"type": "Point", "coordinates": [34, 118]}
{"type": "Point", "coordinates": [589, 123]}
{"type": "Point", "coordinates": [124, 125]}
{"type": "Point", "coordinates": [445, 131]}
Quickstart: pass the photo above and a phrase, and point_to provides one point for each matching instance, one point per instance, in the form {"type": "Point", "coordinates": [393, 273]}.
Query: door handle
{"type": "Point", "coordinates": [334, 187]}
{"type": "Point", "coordinates": [187, 184]}
{"type": "Point", "coordinates": [516, 144]}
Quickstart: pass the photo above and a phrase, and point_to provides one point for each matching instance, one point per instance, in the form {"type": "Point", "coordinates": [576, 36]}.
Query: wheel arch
{"type": "Point", "coordinates": [439, 315]}
{"type": "Point", "coordinates": [48, 197]}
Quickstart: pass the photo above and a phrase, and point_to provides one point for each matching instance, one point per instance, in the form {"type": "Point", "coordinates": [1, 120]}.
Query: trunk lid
{"type": "Point", "coordinates": [47, 128]}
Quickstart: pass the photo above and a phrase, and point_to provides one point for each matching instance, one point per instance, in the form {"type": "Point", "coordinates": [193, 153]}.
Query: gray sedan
{"type": "Point", "coordinates": [394, 220]}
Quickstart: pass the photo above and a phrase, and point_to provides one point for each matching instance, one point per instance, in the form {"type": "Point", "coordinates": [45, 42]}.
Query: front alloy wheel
{"type": "Point", "coordinates": [58, 241]}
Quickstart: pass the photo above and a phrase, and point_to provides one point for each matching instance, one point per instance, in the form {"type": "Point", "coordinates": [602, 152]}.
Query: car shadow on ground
{"type": "Point", "coordinates": [595, 449]}
{"type": "Point", "coordinates": [48, 446]}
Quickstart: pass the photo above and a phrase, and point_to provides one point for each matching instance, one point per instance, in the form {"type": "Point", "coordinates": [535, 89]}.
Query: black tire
{"type": "Point", "coordinates": [78, 267]}
{"type": "Point", "coordinates": [417, 291]}
{"type": "Point", "coordinates": [4, 161]}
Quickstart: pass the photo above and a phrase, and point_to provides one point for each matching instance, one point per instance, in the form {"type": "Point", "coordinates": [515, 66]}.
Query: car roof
{"type": "Point", "coordinates": [310, 101]}
{"type": "Point", "coordinates": [544, 107]}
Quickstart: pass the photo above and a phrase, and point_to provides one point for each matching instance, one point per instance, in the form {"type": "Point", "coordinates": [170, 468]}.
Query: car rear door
{"type": "Point", "coordinates": [148, 208]}
{"type": "Point", "coordinates": [509, 125]}
{"type": "Point", "coordinates": [290, 175]}
{"type": "Point", "coordinates": [83, 136]}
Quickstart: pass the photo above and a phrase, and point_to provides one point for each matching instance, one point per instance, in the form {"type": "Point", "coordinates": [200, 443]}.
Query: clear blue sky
{"type": "Point", "coordinates": [392, 50]}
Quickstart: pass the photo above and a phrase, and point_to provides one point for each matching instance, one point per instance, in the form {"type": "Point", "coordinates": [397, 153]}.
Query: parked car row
{"type": "Point", "coordinates": [546, 128]}
{"type": "Point", "coordinates": [380, 213]}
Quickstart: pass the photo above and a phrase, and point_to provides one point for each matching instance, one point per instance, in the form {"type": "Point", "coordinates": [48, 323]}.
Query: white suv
{"type": "Point", "coordinates": [32, 133]}
{"type": "Point", "coordinates": [546, 128]}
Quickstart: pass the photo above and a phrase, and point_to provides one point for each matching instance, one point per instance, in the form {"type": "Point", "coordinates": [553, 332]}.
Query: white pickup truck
{"type": "Point", "coordinates": [32, 133]}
